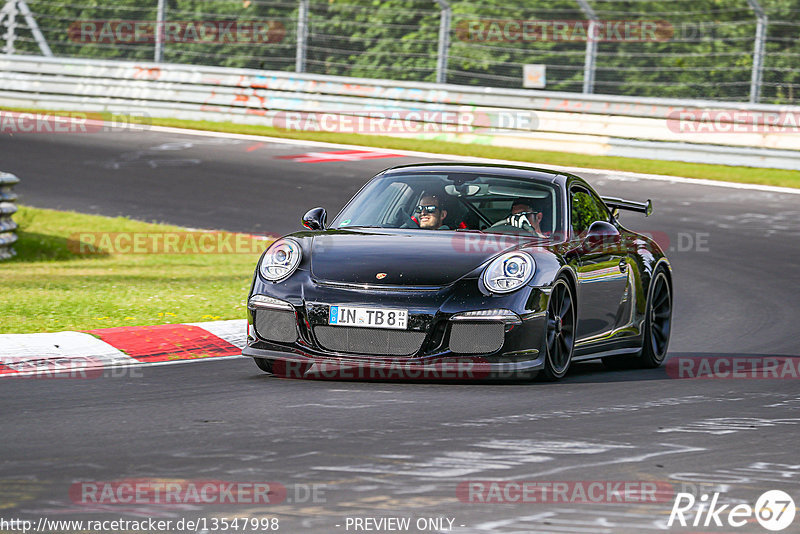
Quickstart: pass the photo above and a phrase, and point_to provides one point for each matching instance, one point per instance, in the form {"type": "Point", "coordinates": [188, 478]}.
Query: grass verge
{"type": "Point", "coordinates": [750, 175]}
{"type": "Point", "coordinates": [51, 286]}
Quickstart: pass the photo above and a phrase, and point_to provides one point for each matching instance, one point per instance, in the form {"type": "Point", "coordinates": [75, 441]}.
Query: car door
{"type": "Point", "coordinates": [601, 267]}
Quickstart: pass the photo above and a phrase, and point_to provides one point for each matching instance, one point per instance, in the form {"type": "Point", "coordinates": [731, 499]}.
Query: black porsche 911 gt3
{"type": "Point", "coordinates": [457, 271]}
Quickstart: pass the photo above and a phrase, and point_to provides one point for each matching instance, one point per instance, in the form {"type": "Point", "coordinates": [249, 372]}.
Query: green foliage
{"type": "Point", "coordinates": [585, 211]}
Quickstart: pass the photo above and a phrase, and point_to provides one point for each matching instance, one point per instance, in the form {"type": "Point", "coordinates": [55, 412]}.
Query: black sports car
{"type": "Point", "coordinates": [456, 271]}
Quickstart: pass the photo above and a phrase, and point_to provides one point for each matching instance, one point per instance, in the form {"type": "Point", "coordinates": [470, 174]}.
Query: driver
{"type": "Point", "coordinates": [526, 214]}
{"type": "Point", "coordinates": [430, 213]}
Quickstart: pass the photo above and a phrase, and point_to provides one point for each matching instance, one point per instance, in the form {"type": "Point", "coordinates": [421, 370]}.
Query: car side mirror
{"type": "Point", "coordinates": [314, 219]}
{"type": "Point", "coordinates": [601, 233]}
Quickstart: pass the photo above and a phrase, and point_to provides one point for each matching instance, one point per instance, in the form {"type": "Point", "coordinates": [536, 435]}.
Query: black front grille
{"type": "Point", "coordinates": [369, 340]}
{"type": "Point", "coordinates": [477, 338]}
{"type": "Point", "coordinates": [276, 325]}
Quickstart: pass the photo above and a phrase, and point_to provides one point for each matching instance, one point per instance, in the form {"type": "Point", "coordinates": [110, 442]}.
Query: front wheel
{"type": "Point", "coordinates": [264, 364]}
{"type": "Point", "coordinates": [561, 319]}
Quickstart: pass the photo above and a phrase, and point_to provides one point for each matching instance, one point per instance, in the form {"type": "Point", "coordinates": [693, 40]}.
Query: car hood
{"type": "Point", "coordinates": [405, 257]}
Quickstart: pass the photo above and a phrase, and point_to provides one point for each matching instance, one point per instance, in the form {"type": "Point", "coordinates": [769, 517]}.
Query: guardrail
{"type": "Point", "coordinates": [7, 209]}
{"type": "Point", "coordinates": [699, 131]}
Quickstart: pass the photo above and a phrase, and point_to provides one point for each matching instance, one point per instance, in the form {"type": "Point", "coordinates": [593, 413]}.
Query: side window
{"type": "Point", "coordinates": [586, 209]}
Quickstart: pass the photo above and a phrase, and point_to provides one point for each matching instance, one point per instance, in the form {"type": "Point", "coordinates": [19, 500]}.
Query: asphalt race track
{"type": "Point", "coordinates": [379, 450]}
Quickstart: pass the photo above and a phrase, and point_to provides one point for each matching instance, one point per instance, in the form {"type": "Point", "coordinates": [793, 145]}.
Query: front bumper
{"type": "Point", "coordinates": [432, 314]}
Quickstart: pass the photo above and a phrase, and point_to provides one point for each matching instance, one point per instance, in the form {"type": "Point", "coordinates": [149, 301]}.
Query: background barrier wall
{"type": "Point", "coordinates": [683, 130]}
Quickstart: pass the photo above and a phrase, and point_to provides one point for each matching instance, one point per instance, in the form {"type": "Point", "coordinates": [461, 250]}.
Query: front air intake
{"type": "Point", "coordinates": [369, 341]}
{"type": "Point", "coordinates": [477, 337]}
{"type": "Point", "coordinates": [275, 325]}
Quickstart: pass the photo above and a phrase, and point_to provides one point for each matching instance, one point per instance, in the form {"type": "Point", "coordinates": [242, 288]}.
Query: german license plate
{"type": "Point", "coordinates": [368, 317]}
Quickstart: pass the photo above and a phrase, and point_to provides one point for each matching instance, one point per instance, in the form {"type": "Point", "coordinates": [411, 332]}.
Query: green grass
{"type": "Point", "coordinates": [750, 175]}
{"type": "Point", "coordinates": [49, 287]}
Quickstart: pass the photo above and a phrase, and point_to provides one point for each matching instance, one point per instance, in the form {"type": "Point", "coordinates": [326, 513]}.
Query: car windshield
{"type": "Point", "coordinates": [455, 201]}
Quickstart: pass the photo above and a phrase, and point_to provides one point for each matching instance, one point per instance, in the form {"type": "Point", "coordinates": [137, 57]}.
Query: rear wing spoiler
{"type": "Point", "coordinates": [620, 204]}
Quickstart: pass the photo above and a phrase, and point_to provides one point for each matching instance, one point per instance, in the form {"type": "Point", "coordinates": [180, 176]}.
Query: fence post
{"type": "Point", "coordinates": [22, 5]}
{"type": "Point", "coordinates": [758, 51]}
{"type": "Point", "coordinates": [7, 209]}
{"type": "Point", "coordinates": [591, 47]}
{"type": "Point", "coordinates": [302, 36]}
{"type": "Point", "coordinates": [444, 41]}
{"type": "Point", "coordinates": [161, 17]}
{"type": "Point", "coordinates": [9, 14]}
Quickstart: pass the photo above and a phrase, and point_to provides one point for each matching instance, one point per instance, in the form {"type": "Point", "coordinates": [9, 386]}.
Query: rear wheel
{"type": "Point", "coordinates": [560, 334]}
{"type": "Point", "coordinates": [264, 364]}
{"type": "Point", "coordinates": [657, 328]}
{"type": "Point", "coordinates": [658, 322]}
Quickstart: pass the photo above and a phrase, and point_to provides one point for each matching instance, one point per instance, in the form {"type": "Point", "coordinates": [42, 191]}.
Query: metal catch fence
{"type": "Point", "coordinates": [729, 50]}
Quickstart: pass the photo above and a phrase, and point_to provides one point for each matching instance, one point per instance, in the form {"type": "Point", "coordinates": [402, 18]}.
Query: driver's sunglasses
{"type": "Point", "coordinates": [426, 209]}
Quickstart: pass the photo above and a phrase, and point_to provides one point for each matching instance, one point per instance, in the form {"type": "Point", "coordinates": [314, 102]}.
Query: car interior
{"type": "Point", "coordinates": [475, 202]}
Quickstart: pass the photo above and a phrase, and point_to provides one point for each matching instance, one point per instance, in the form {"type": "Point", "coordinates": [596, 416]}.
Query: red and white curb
{"type": "Point", "coordinates": [65, 352]}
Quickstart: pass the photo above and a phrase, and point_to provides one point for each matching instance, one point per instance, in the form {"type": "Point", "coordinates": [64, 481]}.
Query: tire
{"type": "Point", "coordinates": [561, 329]}
{"type": "Point", "coordinates": [264, 364]}
{"type": "Point", "coordinates": [655, 338]}
{"type": "Point", "coordinates": [658, 322]}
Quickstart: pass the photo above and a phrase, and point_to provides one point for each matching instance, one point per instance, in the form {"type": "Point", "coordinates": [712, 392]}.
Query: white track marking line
{"type": "Point", "coordinates": [471, 159]}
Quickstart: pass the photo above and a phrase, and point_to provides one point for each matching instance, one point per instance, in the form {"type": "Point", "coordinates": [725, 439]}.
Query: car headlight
{"type": "Point", "coordinates": [281, 259]}
{"type": "Point", "coordinates": [508, 272]}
